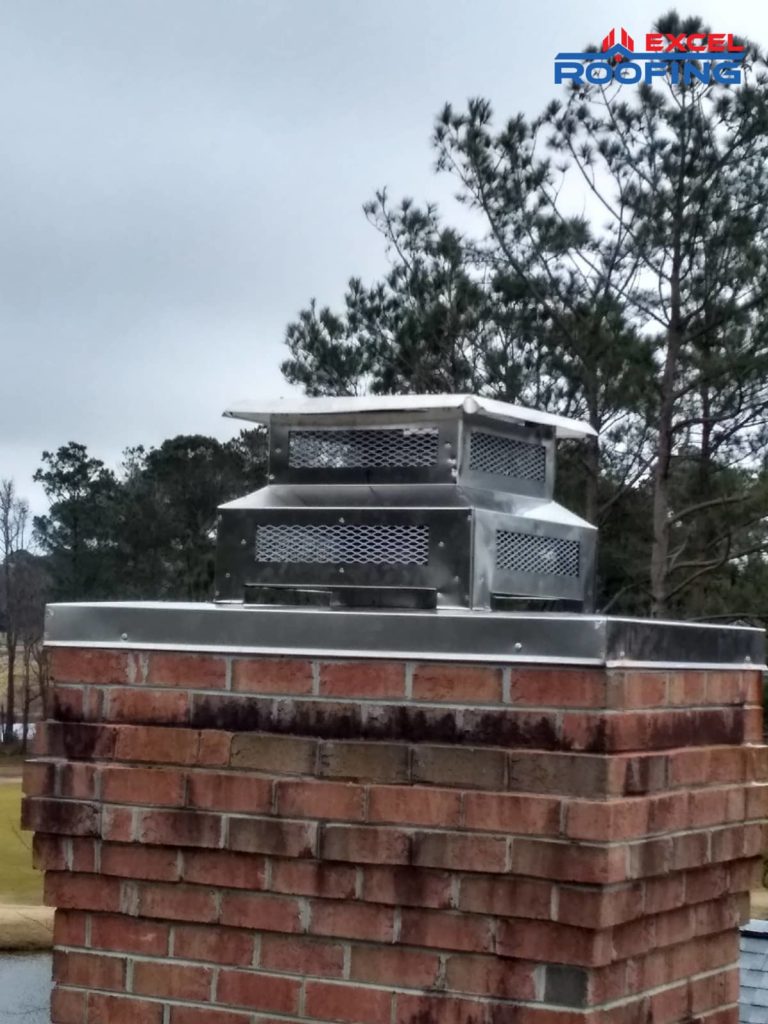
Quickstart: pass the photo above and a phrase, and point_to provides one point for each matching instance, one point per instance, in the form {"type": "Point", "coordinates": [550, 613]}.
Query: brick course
{"type": "Point", "coordinates": [245, 840]}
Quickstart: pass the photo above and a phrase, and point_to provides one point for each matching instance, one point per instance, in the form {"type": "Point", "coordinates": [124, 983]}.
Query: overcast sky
{"type": "Point", "coordinates": [179, 177]}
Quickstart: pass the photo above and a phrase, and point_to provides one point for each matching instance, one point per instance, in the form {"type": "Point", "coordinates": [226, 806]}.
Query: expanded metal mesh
{"type": "Point", "coordinates": [362, 449]}
{"type": "Point", "coordinates": [351, 544]}
{"type": "Point", "coordinates": [525, 552]}
{"type": "Point", "coordinates": [505, 456]}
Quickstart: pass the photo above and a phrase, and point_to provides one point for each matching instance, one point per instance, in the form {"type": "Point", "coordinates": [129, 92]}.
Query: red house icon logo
{"type": "Point", "coordinates": [626, 40]}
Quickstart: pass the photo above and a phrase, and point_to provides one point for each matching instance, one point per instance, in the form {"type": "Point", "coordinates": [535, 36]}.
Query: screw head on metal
{"type": "Point", "coordinates": [123, 636]}
{"type": "Point", "coordinates": [243, 542]}
{"type": "Point", "coordinates": [227, 575]}
{"type": "Point", "coordinates": [341, 569]}
{"type": "Point", "coordinates": [518, 646]}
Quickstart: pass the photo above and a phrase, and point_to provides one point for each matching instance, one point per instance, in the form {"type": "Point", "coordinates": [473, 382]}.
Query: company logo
{"type": "Point", "coordinates": [682, 59]}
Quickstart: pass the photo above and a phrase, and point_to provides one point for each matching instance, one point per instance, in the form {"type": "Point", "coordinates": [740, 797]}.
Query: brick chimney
{"type": "Point", "coordinates": [457, 819]}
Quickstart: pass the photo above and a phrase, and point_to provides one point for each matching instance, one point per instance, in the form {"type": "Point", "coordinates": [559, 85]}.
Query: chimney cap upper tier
{"type": "Point", "coordinates": [263, 412]}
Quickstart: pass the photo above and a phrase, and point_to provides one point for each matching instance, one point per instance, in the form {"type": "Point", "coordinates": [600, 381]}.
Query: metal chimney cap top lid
{"type": "Point", "coordinates": [263, 412]}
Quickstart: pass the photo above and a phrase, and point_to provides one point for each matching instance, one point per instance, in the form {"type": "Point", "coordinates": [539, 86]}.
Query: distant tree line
{"type": "Point", "coordinates": [145, 531]}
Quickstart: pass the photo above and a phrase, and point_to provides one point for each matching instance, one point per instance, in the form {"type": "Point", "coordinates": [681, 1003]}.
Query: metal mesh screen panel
{"type": "Point", "coordinates": [352, 544]}
{"type": "Point", "coordinates": [525, 552]}
{"type": "Point", "coordinates": [361, 449]}
{"type": "Point", "coordinates": [505, 456]}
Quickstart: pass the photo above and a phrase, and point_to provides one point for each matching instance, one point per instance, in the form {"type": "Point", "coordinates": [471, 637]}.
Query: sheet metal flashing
{"type": "Point", "coordinates": [446, 635]}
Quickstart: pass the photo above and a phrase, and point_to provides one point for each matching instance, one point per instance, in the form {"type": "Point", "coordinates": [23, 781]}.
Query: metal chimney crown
{"type": "Point", "coordinates": [409, 501]}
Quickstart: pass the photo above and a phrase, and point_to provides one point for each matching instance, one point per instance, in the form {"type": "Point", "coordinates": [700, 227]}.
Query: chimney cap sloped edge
{"type": "Point", "coordinates": [263, 412]}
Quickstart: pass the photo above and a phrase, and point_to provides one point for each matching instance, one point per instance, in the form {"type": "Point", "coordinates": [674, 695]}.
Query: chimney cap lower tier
{"type": "Point", "coordinates": [264, 412]}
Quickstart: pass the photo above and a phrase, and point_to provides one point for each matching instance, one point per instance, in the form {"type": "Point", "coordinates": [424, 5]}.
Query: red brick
{"type": "Point", "coordinates": [129, 935]}
{"type": "Point", "coordinates": [490, 976]}
{"type": "Point", "coordinates": [61, 817]}
{"type": "Point", "coordinates": [193, 1015]}
{"type": "Point", "coordinates": [637, 689]}
{"type": "Point", "coordinates": [558, 687]}
{"type": "Point", "coordinates": [365, 844]}
{"type": "Point", "coordinates": [50, 853]}
{"type": "Point", "coordinates": [417, 805]}
{"type": "Point", "coordinates": [155, 743]}
{"type": "Point", "coordinates": [598, 907]}
{"type": "Point", "coordinates": [472, 684]}
{"type": "Point", "coordinates": [266, 992]}
{"type": "Point", "coordinates": [753, 725]}
{"type": "Point", "coordinates": [142, 786]}
{"type": "Point", "coordinates": [352, 920]}
{"type": "Point", "coordinates": [156, 707]}
{"type": "Point", "coordinates": [69, 928]}
{"type": "Point", "coordinates": [535, 940]}
{"type": "Point", "coordinates": [178, 902]}
{"type": "Point", "coordinates": [665, 893]}
{"type": "Point", "coordinates": [278, 837]}
{"type": "Point", "coordinates": [668, 813]}
{"type": "Point", "coordinates": [409, 887]}
{"type": "Point", "coordinates": [460, 851]}
{"type": "Point", "coordinates": [89, 970]}
{"type": "Point", "coordinates": [104, 1009]}
{"type": "Point", "coordinates": [313, 878]}
{"type": "Point", "coordinates": [230, 946]}
{"type": "Point", "coordinates": [297, 955]}
{"type": "Point", "coordinates": [413, 1009]}
{"type": "Point", "coordinates": [134, 861]}
{"type": "Point", "coordinates": [510, 812]}
{"type": "Point", "coordinates": [219, 867]}
{"type": "Point", "coordinates": [77, 781]}
{"type": "Point", "coordinates": [756, 801]}
{"type": "Point", "coordinates": [180, 828]}
{"type": "Point", "coordinates": [95, 703]}
{"type": "Point", "coordinates": [75, 665]}
{"type": "Point", "coordinates": [402, 968]}
{"type": "Point", "coordinates": [439, 930]}
{"type": "Point", "coordinates": [510, 897]}
{"type": "Point", "coordinates": [698, 766]}
{"type": "Point", "coordinates": [714, 990]}
{"type": "Point", "coordinates": [728, 687]}
{"type": "Point", "coordinates": [347, 1003]}
{"type": "Point", "coordinates": [262, 911]}
{"type": "Point", "coordinates": [84, 854]}
{"type": "Point", "coordinates": [606, 820]}
{"type": "Point", "coordinates": [117, 824]}
{"type": "Point", "coordinates": [688, 687]}
{"type": "Point", "coordinates": [272, 675]}
{"type": "Point", "coordinates": [67, 1007]}
{"type": "Point", "coordinates": [334, 801]}
{"type": "Point", "coordinates": [690, 851]}
{"type": "Point", "coordinates": [172, 981]}
{"type": "Point", "coordinates": [366, 679]}
{"type": "Point", "coordinates": [81, 892]}
{"type": "Point", "coordinates": [39, 778]}
{"type": "Point", "coordinates": [228, 791]}
{"type": "Point", "coordinates": [191, 671]}
{"type": "Point", "coordinates": [568, 862]}
{"type": "Point", "coordinates": [214, 749]}
{"type": "Point", "coordinates": [653, 857]}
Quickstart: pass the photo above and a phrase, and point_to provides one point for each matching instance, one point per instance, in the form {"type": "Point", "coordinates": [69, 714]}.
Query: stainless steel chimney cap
{"type": "Point", "coordinates": [413, 501]}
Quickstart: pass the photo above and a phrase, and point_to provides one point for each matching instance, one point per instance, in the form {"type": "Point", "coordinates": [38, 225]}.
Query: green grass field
{"type": "Point", "coordinates": [19, 882]}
